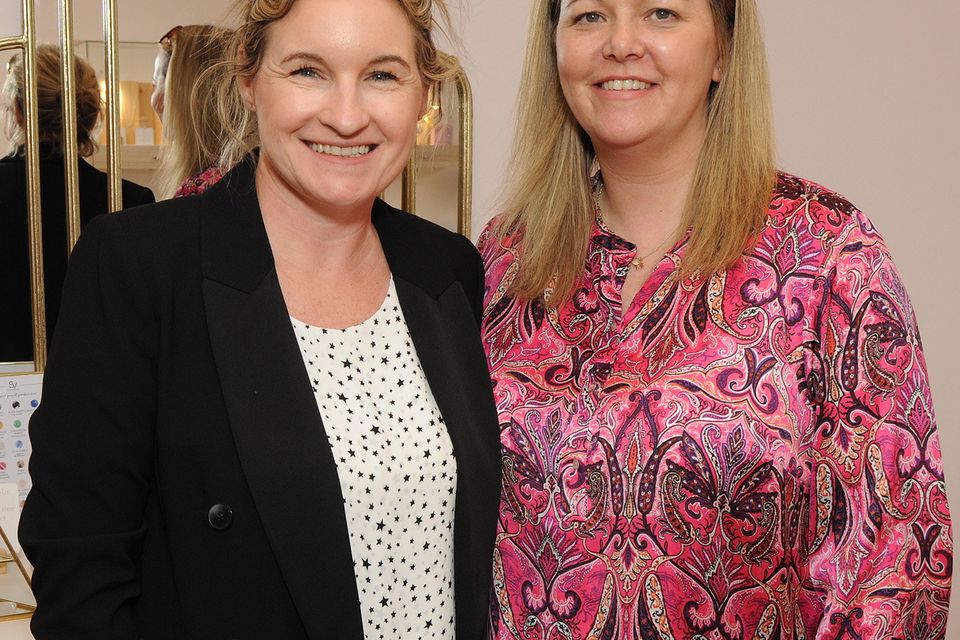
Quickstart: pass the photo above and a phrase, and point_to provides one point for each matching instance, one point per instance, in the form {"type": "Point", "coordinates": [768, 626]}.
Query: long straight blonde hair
{"type": "Point", "coordinates": [192, 130]}
{"type": "Point", "coordinates": [548, 200]}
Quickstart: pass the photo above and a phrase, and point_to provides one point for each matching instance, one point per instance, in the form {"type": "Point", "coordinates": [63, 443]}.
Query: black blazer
{"type": "Point", "coordinates": [183, 485]}
{"type": "Point", "coordinates": [16, 318]}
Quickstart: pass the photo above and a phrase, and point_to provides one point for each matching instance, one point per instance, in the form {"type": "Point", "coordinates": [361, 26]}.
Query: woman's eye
{"type": "Point", "coordinates": [382, 76]}
{"type": "Point", "coordinates": [662, 15]}
{"type": "Point", "coordinates": [306, 72]}
{"type": "Point", "coordinates": [590, 17]}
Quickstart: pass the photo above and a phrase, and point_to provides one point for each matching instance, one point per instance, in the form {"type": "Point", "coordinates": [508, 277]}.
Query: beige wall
{"type": "Point", "coordinates": [493, 33]}
{"type": "Point", "coordinates": [138, 20]}
{"type": "Point", "coordinates": [866, 96]}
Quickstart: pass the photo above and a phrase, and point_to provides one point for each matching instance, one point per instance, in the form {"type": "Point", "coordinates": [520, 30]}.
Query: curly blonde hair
{"type": "Point", "coordinates": [247, 46]}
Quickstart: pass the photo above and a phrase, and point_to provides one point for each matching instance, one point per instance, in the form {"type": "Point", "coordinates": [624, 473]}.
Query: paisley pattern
{"type": "Point", "coordinates": [199, 182]}
{"type": "Point", "coordinates": [750, 455]}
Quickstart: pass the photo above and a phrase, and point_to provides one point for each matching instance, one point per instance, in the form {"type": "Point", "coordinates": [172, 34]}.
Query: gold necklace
{"type": "Point", "coordinates": [638, 261]}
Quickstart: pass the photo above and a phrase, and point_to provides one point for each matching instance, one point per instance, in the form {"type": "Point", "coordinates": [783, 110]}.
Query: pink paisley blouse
{"type": "Point", "coordinates": [199, 182]}
{"type": "Point", "coordinates": [750, 455]}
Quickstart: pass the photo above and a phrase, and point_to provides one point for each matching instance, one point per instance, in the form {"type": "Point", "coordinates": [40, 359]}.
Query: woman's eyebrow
{"type": "Point", "coordinates": [303, 55]}
{"type": "Point", "coordinates": [390, 58]}
{"type": "Point", "coordinates": [312, 57]}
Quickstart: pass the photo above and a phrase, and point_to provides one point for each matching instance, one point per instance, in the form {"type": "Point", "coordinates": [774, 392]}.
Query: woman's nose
{"type": "Point", "coordinates": [344, 111]}
{"type": "Point", "coordinates": [625, 41]}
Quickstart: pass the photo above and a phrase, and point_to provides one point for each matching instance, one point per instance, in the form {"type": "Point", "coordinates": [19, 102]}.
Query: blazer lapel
{"type": "Point", "coordinates": [279, 436]}
{"type": "Point", "coordinates": [444, 330]}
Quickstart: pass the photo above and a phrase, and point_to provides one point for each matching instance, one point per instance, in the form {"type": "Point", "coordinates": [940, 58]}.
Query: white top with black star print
{"type": "Point", "coordinates": [397, 471]}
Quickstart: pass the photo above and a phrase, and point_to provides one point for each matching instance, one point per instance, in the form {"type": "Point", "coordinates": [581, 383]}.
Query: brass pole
{"type": "Point", "coordinates": [12, 42]}
{"type": "Point", "coordinates": [408, 185]}
{"type": "Point", "coordinates": [113, 104]}
{"type": "Point", "coordinates": [465, 183]}
{"type": "Point", "coordinates": [35, 223]}
{"type": "Point", "coordinates": [70, 153]}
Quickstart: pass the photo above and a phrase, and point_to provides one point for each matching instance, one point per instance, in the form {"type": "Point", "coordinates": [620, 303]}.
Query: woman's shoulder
{"type": "Point", "coordinates": [13, 174]}
{"type": "Point", "coordinates": [136, 194]}
{"type": "Point", "coordinates": [199, 182]}
{"type": "Point", "coordinates": [801, 200]}
{"type": "Point", "coordinates": [418, 232]}
{"type": "Point", "coordinates": [161, 230]}
{"type": "Point", "coordinates": [425, 251]}
{"type": "Point", "coordinates": [500, 252]}
{"type": "Point", "coordinates": [816, 218]}
{"type": "Point", "coordinates": [495, 242]}
{"type": "Point", "coordinates": [149, 252]}
{"type": "Point", "coordinates": [96, 182]}
{"type": "Point", "coordinates": [11, 161]}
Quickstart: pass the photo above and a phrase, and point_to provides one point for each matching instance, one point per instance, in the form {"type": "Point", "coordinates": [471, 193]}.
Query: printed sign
{"type": "Point", "coordinates": [19, 397]}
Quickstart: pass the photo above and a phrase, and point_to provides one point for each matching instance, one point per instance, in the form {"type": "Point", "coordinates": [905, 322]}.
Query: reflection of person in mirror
{"type": "Point", "coordinates": [717, 414]}
{"type": "Point", "coordinates": [267, 413]}
{"type": "Point", "coordinates": [16, 325]}
{"type": "Point", "coordinates": [190, 63]}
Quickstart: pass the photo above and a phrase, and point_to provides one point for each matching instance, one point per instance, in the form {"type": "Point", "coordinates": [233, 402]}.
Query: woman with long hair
{"type": "Point", "coordinates": [715, 414]}
{"type": "Point", "coordinates": [188, 69]}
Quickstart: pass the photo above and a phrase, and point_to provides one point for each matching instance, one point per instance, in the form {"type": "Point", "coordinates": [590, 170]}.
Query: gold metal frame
{"type": "Point", "coordinates": [26, 42]}
{"type": "Point", "coordinates": [71, 175]}
{"type": "Point", "coordinates": [408, 197]}
{"type": "Point", "coordinates": [112, 72]}
{"type": "Point", "coordinates": [465, 184]}
{"type": "Point", "coordinates": [28, 609]}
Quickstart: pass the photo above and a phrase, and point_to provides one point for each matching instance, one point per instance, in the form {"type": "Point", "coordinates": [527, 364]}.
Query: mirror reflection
{"type": "Point", "coordinates": [169, 142]}
{"type": "Point", "coordinates": [16, 325]}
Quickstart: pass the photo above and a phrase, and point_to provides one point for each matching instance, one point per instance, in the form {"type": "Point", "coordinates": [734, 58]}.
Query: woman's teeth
{"type": "Point", "coordinates": [349, 152]}
{"type": "Point", "coordinates": [624, 85]}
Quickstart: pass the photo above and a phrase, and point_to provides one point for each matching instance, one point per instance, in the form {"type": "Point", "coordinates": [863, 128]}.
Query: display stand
{"type": "Point", "coordinates": [16, 599]}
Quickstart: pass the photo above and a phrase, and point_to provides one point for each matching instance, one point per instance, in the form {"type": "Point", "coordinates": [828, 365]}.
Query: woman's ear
{"type": "Point", "coordinates": [247, 86]}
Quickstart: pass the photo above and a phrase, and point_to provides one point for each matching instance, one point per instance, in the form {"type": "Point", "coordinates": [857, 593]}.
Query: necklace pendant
{"type": "Point", "coordinates": [637, 263]}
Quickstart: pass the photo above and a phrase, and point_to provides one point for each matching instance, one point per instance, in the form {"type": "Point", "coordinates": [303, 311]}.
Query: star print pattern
{"type": "Point", "coordinates": [396, 467]}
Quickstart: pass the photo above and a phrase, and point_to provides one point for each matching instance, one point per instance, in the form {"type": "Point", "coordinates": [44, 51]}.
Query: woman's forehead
{"type": "Point", "coordinates": [332, 28]}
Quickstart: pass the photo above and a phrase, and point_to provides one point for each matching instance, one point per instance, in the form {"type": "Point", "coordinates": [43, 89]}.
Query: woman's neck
{"type": "Point", "coordinates": [645, 190]}
{"type": "Point", "coordinates": [330, 264]}
{"type": "Point", "coordinates": [309, 239]}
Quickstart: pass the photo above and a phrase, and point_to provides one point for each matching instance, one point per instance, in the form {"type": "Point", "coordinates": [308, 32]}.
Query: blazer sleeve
{"type": "Point", "coordinates": [93, 436]}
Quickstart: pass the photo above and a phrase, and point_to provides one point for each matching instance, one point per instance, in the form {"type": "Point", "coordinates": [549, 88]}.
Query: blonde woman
{"type": "Point", "coordinates": [715, 414]}
{"type": "Point", "coordinates": [268, 413]}
{"type": "Point", "coordinates": [187, 70]}
{"type": "Point", "coordinates": [16, 325]}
